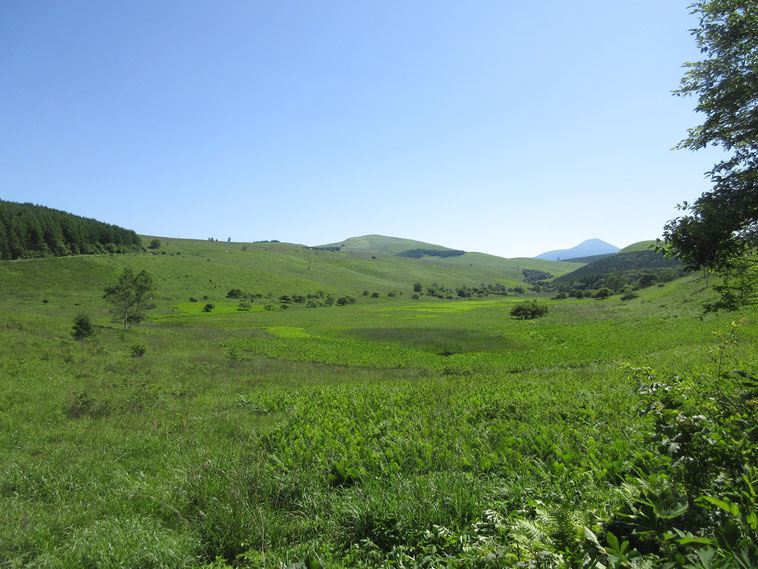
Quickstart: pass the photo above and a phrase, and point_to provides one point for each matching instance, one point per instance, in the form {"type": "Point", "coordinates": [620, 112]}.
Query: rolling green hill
{"type": "Point", "coordinates": [624, 268]}
{"type": "Point", "coordinates": [639, 246]}
{"type": "Point", "coordinates": [489, 268]}
{"type": "Point", "coordinates": [207, 270]}
{"type": "Point", "coordinates": [381, 245]}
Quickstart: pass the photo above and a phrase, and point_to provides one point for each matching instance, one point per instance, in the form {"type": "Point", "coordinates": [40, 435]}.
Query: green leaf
{"type": "Point", "coordinates": [612, 541]}
{"type": "Point", "coordinates": [726, 505]}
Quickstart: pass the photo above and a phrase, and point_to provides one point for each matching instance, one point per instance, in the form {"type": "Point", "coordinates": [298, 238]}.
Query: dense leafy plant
{"type": "Point", "coordinates": [695, 504]}
{"type": "Point", "coordinates": [138, 350]}
{"type": "Point", "coordinates": [83, 327]}
{"type": "Point", "coordinates": [528, 310]}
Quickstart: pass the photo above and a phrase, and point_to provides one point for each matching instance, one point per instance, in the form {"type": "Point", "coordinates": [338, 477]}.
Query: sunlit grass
{"type": "Point", "coordinates": [354, 435]}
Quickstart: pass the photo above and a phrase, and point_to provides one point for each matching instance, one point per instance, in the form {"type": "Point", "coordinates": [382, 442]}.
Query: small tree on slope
{"type": "Point", "coordinates": [131, 296]}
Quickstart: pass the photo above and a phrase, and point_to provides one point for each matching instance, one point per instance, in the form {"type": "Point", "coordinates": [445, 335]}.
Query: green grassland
{"type": "Point", "coordinates": [486, 268]}
{"type": "Point", "coordinates": [639, 246]}
{"type": "Point", "coordinates": [382, 245]}
{"type": "Point", "coordinates": [391, 432]}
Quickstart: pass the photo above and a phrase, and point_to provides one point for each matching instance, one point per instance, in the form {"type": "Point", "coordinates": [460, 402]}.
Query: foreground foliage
{"type": "Point", "coordinates": [719, 232]}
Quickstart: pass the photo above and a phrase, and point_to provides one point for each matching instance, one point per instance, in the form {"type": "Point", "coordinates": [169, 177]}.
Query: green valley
{"type": "Point", "coordinates": [398, 429]}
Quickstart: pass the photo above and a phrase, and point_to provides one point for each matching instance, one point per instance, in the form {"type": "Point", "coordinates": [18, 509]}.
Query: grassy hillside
{"type": "Point", "coordinates": [207, 270]}
{"type": "Point", "coordinates": [624, 268]}
{"type": "Point", "coordinates": [381, 245]}
{"type": "Point", "coordinates": [510, 269]}
{"type": "Point", "coordinates": [639, 246]}
{"type": "Point", "coordinates": [388, 433]}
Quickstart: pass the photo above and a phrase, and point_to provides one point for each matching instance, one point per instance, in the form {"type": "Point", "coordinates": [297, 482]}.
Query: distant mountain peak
{"type": "Point", "coordinates": [586, 248]}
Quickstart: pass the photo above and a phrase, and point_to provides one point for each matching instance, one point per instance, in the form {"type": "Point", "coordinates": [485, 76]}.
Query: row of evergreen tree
{"type": "Point", "coordinates": [28, 231]}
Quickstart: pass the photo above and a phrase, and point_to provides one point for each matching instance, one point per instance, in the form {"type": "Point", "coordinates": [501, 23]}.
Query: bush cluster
{"type": "Point", "coordinates": [528, 310]}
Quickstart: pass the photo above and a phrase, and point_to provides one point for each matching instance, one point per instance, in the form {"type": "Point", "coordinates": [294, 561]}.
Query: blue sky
{"type": "Point", "coordinates": [510, 128]}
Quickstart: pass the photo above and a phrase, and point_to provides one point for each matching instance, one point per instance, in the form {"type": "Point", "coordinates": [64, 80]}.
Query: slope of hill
{"type": "Point", "coordinates": [639, 246]}
{"type": "Point", "coordinates": [380, 245]}
{"type": "Point", "coordinates": [207, 270]}
{"type": "Point", "coordinates": [624, 268]}
{"type": "Point", "coordinates": [587, 260]}
{"type": "Point", "coordinates": [489, 268]}
{"type": "Point", "coordinates": [586, 248]}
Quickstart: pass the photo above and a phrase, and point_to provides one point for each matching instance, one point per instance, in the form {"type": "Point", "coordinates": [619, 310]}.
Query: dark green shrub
{"type": "Point", "coordinates": [234, 293]}
{"type": "Point", "coordinates": [208, 307]}
{"type": "Point", "coordinates": [138, 350]}
{"type": "Point", "coordinates": [83, 327]}
{"type": "Point", "coordinates": [602, 293]}
{"type": "Point", "coordinates": [528, 310]}
{"type": "Point", "coordinates": [154, 244]}
{"type": "Point", "coordinates": [81, 403]}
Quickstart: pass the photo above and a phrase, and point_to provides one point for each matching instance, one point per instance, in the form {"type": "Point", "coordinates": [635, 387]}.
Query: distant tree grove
{"type": "Point", "coordinates": [28, 231]}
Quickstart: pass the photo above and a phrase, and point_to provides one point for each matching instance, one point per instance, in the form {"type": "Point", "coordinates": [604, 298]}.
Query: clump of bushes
{"type": "Point", "coordinates": [602, 293]}
{"type": "Point", "coordinates": [80, 404]}
{"type": "Point", "coordinates": [138, 350]}
{"type": "Point", "coordinates": [208, 307]}
{"type": "Point", "coordinates": [234, 293]}
{"type": "Point", "coordinates": [528, 310]}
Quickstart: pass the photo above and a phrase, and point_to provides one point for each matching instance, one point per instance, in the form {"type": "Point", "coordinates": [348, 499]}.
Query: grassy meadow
{"type": "Point", "coordinates": [393, 432]}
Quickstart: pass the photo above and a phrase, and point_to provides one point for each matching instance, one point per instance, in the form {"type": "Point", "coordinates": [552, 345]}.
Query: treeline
{"type": "Point", "coordinates": [534, 276]}
{"type": "Point", "coordinates": [441, 291]}
{"type": "Point", "coordinates": [418, 253]}
{"type": "Point", "coordinates": [28, 231]}
{"type": "Point", "coordinates": [311, 300]}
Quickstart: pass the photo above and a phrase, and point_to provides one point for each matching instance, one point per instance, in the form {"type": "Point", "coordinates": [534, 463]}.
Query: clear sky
{"type": "Point", "coordinates": [504, 127]}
